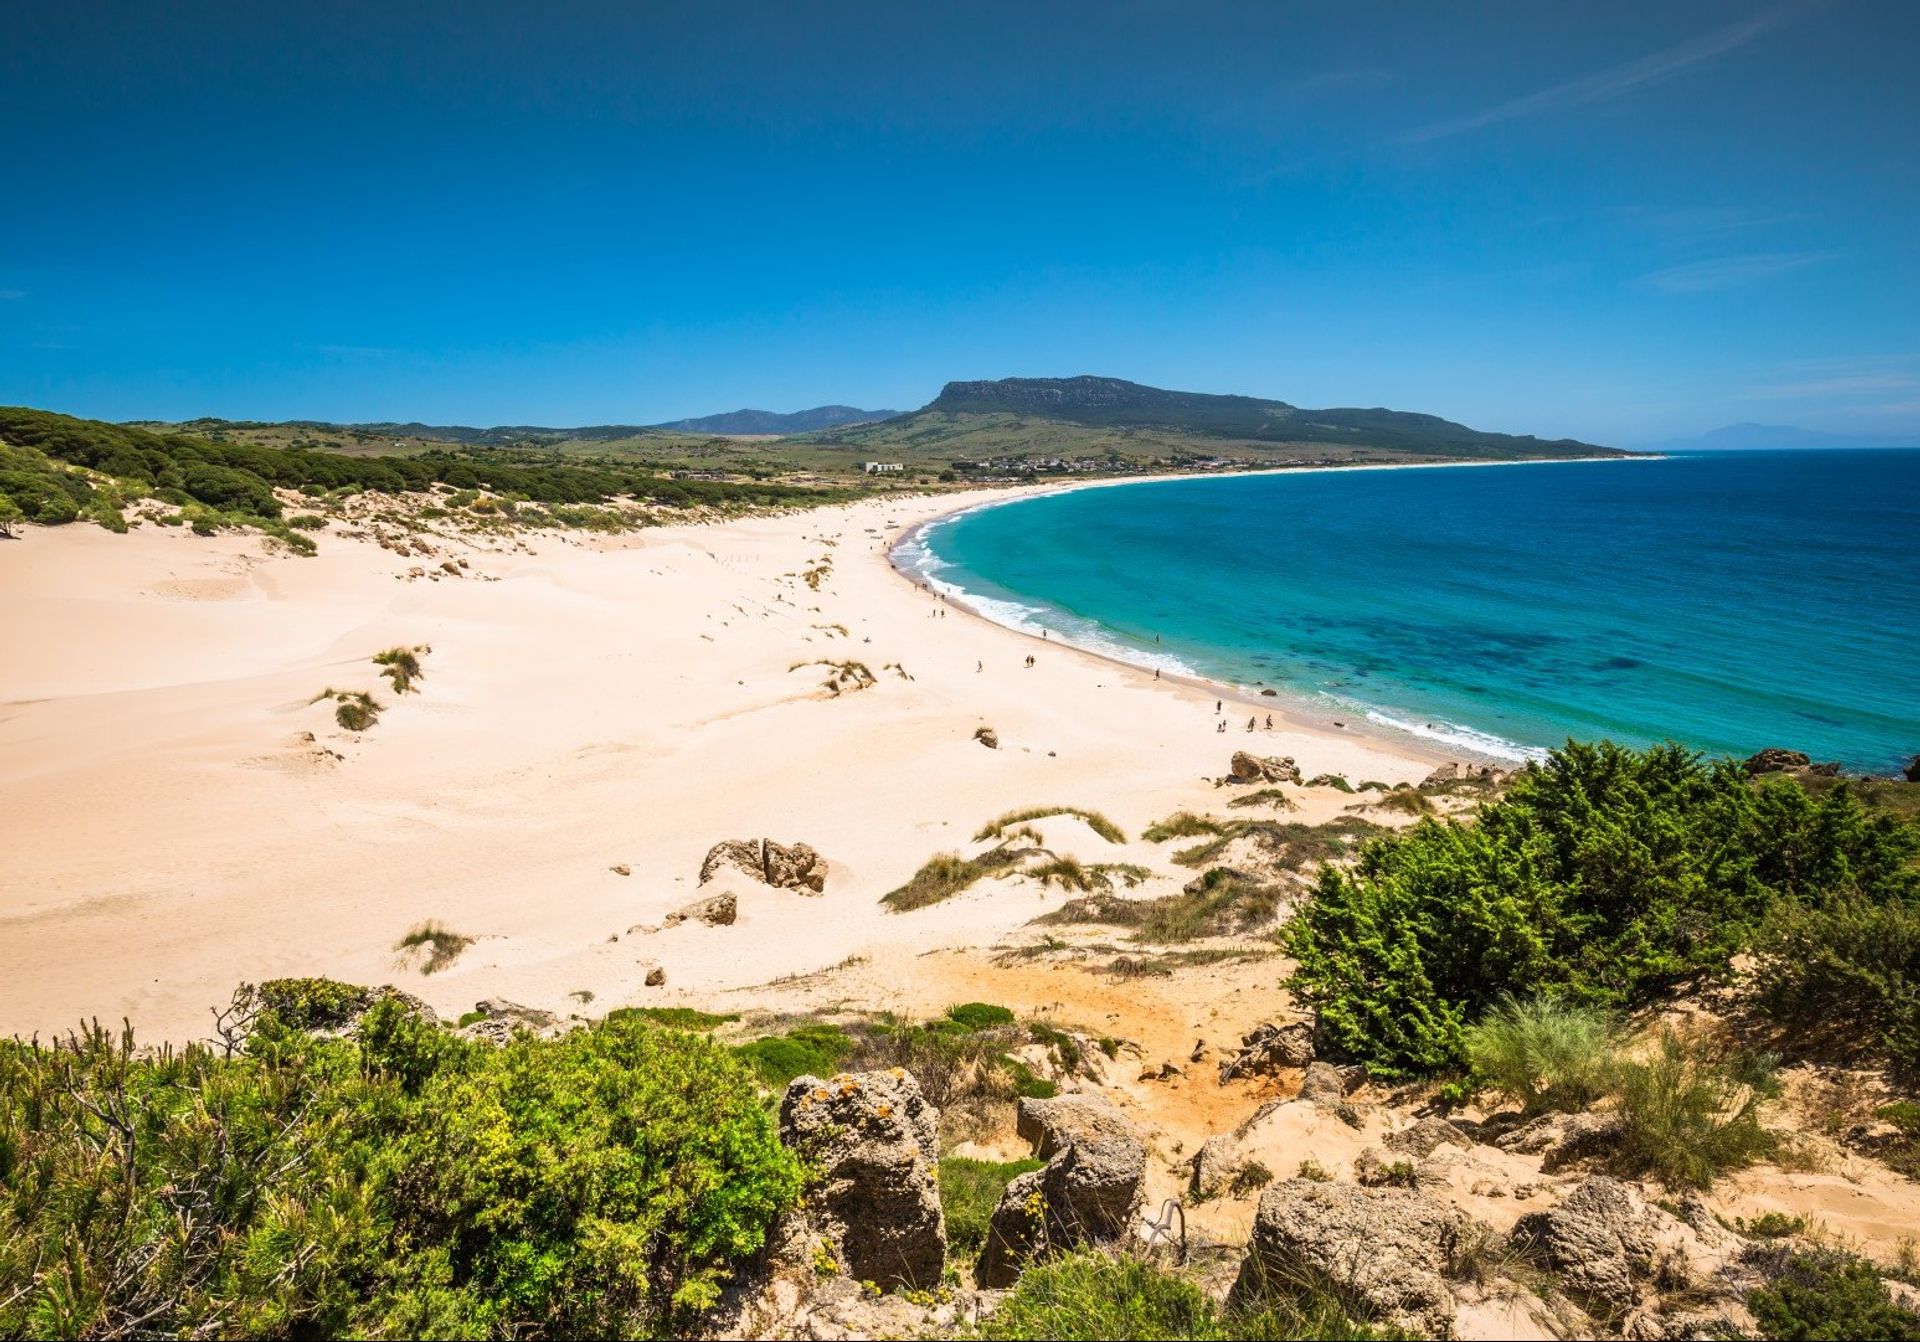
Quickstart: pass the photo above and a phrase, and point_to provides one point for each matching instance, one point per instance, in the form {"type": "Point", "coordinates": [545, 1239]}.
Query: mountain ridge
{"type": "Point", "coordinates": [742, 422]}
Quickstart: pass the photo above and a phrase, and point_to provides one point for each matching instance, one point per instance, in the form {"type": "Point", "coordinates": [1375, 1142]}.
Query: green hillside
{"type": "Point", "coordinates": [1094, 414]}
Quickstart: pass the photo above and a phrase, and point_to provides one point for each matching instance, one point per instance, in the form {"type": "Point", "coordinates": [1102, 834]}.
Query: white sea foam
{"type": "Point", "coordinates": [1461, 737]}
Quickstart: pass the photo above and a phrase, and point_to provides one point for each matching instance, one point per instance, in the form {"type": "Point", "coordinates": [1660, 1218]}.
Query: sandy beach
{"type": "Point", "coordinates": [182, 816]}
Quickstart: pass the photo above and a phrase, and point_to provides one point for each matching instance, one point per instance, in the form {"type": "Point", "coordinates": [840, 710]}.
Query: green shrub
{"type": "Point", "coordinates": [969, 1191]}
{"type": "Point", "coordinates": [355, 710]}
{"type": "Point", "coordinates": [1548, 1055]}
{"type": "Point", "coordinates": [810, 1050]}
{"type": "Point", "coordinates": [1829, 1295]}
{"type": "Point", "coordinates": [1089, 1295]}
{"type": "Point", "coordinates": [1846, 973]}
{"type": "Point", "coordinates": [674, 1018]}
{"type": "Point", "coordinates": [1604, 875]}
{"type": "Point", "coordinates": [397, 1183]}
{"type": "Point", "coordinates": [1771, 1225]}
{"type": "Point", "coordinates": [307, 522]}
{"type": "Point", "coordinates": [945, 875]}
{"type": "Point", "coordinates": [980, 1015]}
{"type": "Point", "coordinates": [313, 1004]}
{"type": "Point", "coordinates": [1689, 1116]}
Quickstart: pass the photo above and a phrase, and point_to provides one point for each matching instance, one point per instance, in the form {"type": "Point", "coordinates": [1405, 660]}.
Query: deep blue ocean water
{"type": "Point", "coordinates": [1730, 601]}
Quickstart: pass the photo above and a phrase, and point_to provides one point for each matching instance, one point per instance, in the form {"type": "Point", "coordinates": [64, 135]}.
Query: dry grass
{"type": "Point", "coordinates": [443, 946]}
{"type": "Point", "coordinates": [1096, 822]}
{"type": "Point", "coordinates": [401, 666]}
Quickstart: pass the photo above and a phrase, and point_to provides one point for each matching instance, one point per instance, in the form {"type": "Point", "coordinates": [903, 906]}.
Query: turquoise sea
{"type": "Point", "coordinates": [1730, 601]}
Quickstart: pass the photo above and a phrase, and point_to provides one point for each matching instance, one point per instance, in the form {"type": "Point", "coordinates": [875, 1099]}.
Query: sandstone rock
{"type": "Point", "coordinates": [1087, 1192]}
{"type": "Point", "coordinates": [1608, 1244]}
{"type": "Point", "coordinates": [1213, 1166]}
{"type": "Point", "coordinates": [987, 737]}
{"type": "Point", "coordinates": [785, 866]}
{"type": "Point", "coordinates": [1426, 1137]}
{"type": "Point", "coordinates": [1249, 768]}
{"type": "Point", "coordinates": [1774, 760]}
{"type": "Point", "coordinates": [1446, 773]}
{"type": "Point", "coordinates": [1324, 1084]}
{"type": "Point", "coordinates": [1386, 1251]}
{"type": "Point", "coordinates": [875, 1137]}
{"type": "Point", "coordinates": [656, 977]}
{"type": "Point", "coordinates": [1561, 1139]}
{"type": "Point", "coordinates": [621, 869]}
{"type": "Point", "coordinates": [1268, 1048]}
{"type": "Point", "coordinates": [715, 911]}
{"type": "Point", "coordinates": [503, 1019]}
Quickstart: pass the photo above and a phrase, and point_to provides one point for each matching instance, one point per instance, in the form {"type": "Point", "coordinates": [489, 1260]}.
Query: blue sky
{"type": "Point", "coordinates": [1618, 222]}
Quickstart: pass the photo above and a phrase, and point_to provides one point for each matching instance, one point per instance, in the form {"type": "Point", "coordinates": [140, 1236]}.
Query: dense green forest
{"type": "Point", "coordinates": [237, 480]}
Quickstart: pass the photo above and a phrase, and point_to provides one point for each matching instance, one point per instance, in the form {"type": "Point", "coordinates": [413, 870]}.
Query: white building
{"type": "Point", "coordinates": [882, 467]}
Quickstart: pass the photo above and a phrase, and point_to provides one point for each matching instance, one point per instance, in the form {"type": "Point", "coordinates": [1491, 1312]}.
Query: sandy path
{"type": "Point", "coordinates": [168, 832]}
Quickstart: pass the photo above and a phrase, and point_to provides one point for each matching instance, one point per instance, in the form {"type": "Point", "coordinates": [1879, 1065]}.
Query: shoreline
{"type": "Point", "coordinates": [1288, 703]}
{"type": "Point", "coordinates": [595, 714]}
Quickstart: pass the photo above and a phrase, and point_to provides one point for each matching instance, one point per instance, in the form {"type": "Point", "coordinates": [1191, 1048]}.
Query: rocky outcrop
{"type": "Point", "coordinates": [715, 911]}
{"type": "Point", "coordinates": [1561, 1139]}
{"type": "Point", "coordinates": [1249, 768]}
{"type": "Point", "coordinates": [1774, 760]}
{"type": "Point", "coordinates": [1387, 1252]}
{"type": "Point", "coordinates": [987, 737]}
{"type": "Point", "coordinates": [1268, 1048]}
{"type": "Point", "coordinates": [784, 866]}
{"type": "Point", "coordinates": [874, 1137]}
{"type": "Point", "coordinates": [1324, 1084]}
{"type": "Point", "coordinates": [1912, 772]}
{"type": "Point", "coordinates": [500, 1020]}
{"type": "Point", "coordinates": [1426, 1137]}
{"type": "Point", "coordinates": [1610, 1246]}
{"type": "Point", "coordinates": [1086, 1193]}
{"type": "Point", "coordinates": [1214, 1166]}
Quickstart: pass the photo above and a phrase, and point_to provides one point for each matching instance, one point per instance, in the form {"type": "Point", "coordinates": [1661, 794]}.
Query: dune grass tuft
{"type": "Point", "coordinates": [1181, 825]}
{"type": "Point", "coordinates": [442, 944]}
{"type": "Point", "coordinates": [401, 667]}
{"type": "Point", "coordinates": [1096, 822]}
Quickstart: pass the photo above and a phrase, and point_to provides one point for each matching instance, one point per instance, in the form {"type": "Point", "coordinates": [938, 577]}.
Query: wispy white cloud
{"type": "Point", "coordinates": [1616, 81]}
{"type": "Point", "coordinates": [1728, 272]}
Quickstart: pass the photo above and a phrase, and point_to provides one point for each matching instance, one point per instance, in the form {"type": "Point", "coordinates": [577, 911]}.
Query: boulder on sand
{"type": "Point", "coordinates": [784, 866]}
{"type": "Point", "coordinates": [1608, 1244]}
{"type": "Point", "coordinates": [1249, 768]}
{"type": "Point", "coordinates": [1386, 1252]}
{"type": "Point", "coordinates": [715, 911]}
{"type": "Point", "coordinates": [1087, 1192]}
{"type": "Point", "coordinates": [1268, 1048]}
{"type": "Point", "coordinates": [875, 1138]}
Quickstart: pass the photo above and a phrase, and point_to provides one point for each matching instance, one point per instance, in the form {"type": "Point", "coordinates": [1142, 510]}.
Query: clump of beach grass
{"type": "Point", "coordinates": [842, 677]}
{"type": "Point", "coordinates": [443, 945]}
{"type": "Point", "coordinates": [1180, 825]}
{"type": "Point", "coordinates": [401, 666]}
{"type": "Point", "coordinates": [1096, 822]}
{"type": "Point", "coordinates": [945, 875]}
{"type": "Point", "coordinates": [355, 710]}
{"type": "Point", "coordinates": [1266, 796]}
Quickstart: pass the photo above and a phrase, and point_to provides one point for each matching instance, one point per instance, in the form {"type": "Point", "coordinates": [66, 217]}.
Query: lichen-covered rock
{"type": "Point", "coordinates": [1268, 1048]}
{"type": "Point", "coordinates": [875, 1138]}
{"type": "Point", "coordinates": [785, 866]}
{"type": "Point", "coordinates": [1609, 1245]}
{"type": "Point", "coordinates": [1086, 1193]}
{"type": "Point", "coordinates": [1386, 1251]}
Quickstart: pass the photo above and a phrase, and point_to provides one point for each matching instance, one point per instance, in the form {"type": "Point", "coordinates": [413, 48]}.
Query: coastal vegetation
{"type": "Point", "coordinates": [401, 1181]}
{"type": "Point", "coordinates": [439, 945]}
{"type": "Point", "coordinates": [57, 469]}
{"type": "Point", "coordinates": [1609, 877]}
{"type": "Point", "coordinates": [1094, 821]}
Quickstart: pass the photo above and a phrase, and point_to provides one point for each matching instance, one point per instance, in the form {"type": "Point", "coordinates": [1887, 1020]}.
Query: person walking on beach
{"type": "Point", "coordinates": [1269, 722]}
{"type": "Point", "coordinates": [1222, 725]}
{"type": "Point", "coordinates": [979, 666]}
{"type": "Point", "coordinates": [1216, 705]}
{"type": "Point", "coordinates": [1249, 724]}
